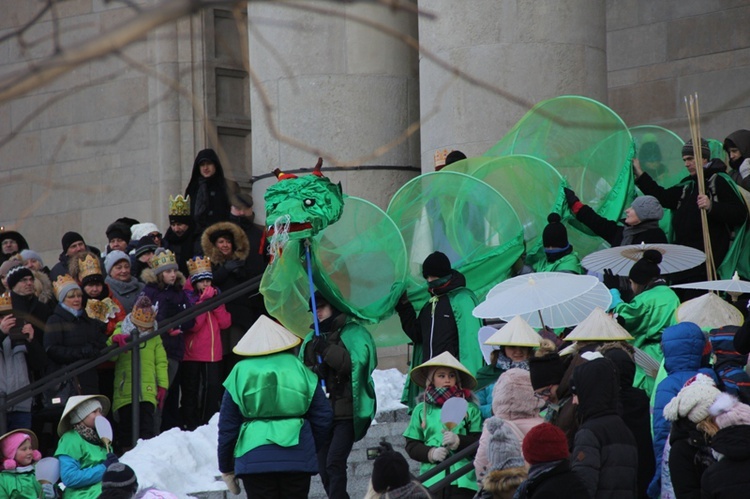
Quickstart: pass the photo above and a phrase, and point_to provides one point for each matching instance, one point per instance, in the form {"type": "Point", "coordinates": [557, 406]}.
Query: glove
{"type": "Point", "coordinates": [450, 440]}
{"type": "Point", "coordinates": [174, 332]}
{"type": "Point", "coordinates": [161, 397]}
{"type": "Point", "coordinates": [437, 454]}
{"type": "Point", "coordinates": [110, 460]}
{"type": "Point", "coordinates": [48, 491]}
{"type": "Point", "coordinates": [321, 370]}
{"type": "Point", "coordinates": [570, 197]}
{"type": "Point", "coordinates": [610, 280]}
{"type": "Point", "coordinates": [232, 484]}
{"type": "Point", "coordinates": [318, 345]}
{"type": "Point", "coordinates": [209, 292]}
{"type": "Point", "coordinates": [120, 339]}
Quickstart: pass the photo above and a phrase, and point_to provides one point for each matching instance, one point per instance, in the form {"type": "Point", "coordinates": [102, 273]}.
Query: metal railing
{"type": "Point", "coordinates": [78, 367]}
{"type": "Point", "coordinates": [444, 465]}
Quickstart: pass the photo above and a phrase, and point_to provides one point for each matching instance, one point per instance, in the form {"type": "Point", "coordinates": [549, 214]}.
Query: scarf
{"type": "Point", "coordinates": [438, 396]}
{"type": "Point", "coordinates": [74, 312]}
{"type": "Point", "coordinates": [505, 363]}
{"type": "Point", "coordinates": [88, 434]}
{"type": "Point", "coordinates": [629, 232]}
{"type": "Point", "coordinates": [554, 255]}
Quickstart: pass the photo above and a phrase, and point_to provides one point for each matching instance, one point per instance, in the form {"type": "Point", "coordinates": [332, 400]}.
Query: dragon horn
{"type": "Point", "coordinates": [318, 166]}
{"type": "Point", "coordinates": [283, 176]}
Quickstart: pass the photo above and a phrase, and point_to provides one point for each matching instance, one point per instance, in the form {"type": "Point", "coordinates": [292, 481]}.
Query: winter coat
{"type": "Point", "coordinates": [729, 364]}
{"type": "Point", "coordinates": [569, 263]}
{"type": "Point", "coordinates": [741, 140]}
{"type": "Point", "coordinates": [125, 292]}
{"type": "Point", "coordinates": [81, 466]}
{"type": "Point", "coordinates": [645, 317]}
{"type": "Point", "coordinates": [184, 247]}
{"type": "Point", "coordinates": [233, 270]}
{"type": "Point", "coordinates": [20, 483]}
{"type": "Point", "coordinates": [420, 439]}
{"type": "Point", "coordinates": [605, 454]}
{"type": "Point", "coordinates": [727, 211]}
{"type": "Point", "coordinates": [683, 345]}
{"type": "Point", "coordinates": [16, 363]}
{"type": "Point", "coordinates": [255, 236]}
{"type": "Point", "coordinates": [203, 340]}
{"type": "Point", "coordinates": [487, 377]}
{"type": "Point", "coordinates": [217, 207]}
{"type": "Point", "coordinates": [547, 482]}
{"type": "Point", "coordinates": [445, 324]}
{"type": "Point", "coordinates": [70, 338]}
{"type": "Point", "coordinates": [43, 287]}
{"type": "Point", "coordinates": [284, 439]}
{"type": "Point", "coordinates": [689, 456]}
{"type": "Point", "coordinates": [636, 413]}
{"type": "Point", "coordinates": [613, 232]}
{"type": "Point", "coordinates": [742, 338]}
{"type": "Point", "coordinates": [171, 300]}
{"type": "Point", "coordinates": [351, 357]}
{"type": "Point", "coordinates": [153, 369]}
{"type": "Point", "coordinates": [729, 478]}
{"type": "Point", "coordinates": [33, 311]}
{"type": "Point", "coordinates": [513, 401]}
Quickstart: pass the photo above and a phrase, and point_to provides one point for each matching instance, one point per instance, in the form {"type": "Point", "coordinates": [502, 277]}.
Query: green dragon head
{"type": "Point", "coordinates": [300, 207]}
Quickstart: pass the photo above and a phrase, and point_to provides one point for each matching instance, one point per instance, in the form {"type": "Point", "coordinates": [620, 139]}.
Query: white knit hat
{"type": "Point", "coordinates": [693, 401]}
{"type": "Point", "coordinates": [137, 231]}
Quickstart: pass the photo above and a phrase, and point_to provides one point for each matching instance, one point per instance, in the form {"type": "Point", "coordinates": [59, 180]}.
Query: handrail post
{"type": "Point", "coordinates": [3, 414]}
{"type": "Point", "coordinates": [136, 387]}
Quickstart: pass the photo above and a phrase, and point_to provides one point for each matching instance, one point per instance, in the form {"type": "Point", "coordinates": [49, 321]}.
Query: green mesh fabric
{"type": "Point", "coordinates": [467, 166]}
{"type": "Point", "coordinates": [285, 289]}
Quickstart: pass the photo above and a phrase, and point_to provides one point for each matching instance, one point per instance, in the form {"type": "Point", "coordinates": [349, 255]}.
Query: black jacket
{"type": "Point", "coordinates": [689, 457]}
{"type": "Point", "coordinates": [184, 247]}
{"type": "Point", "coordinates": [729, 478]}
{"type": "Point", "coordinates": [613, 232]}
{"type": "Point", "coordinates": [69, 338]}
{"type": "Point", "coordinates": [742, 338]}
{"type": "Point", "coordinates": [727, 212]}
{"type": "Point", "coordinates": [217, 206]}
{"type": "Point", "coordinates": [605, 454]}
{"type": "Point", "coordinates": [559, 481]}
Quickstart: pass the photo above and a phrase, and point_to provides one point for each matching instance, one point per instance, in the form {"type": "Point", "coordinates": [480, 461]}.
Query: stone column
{"type": "Point", "coordinates": [530, 49]}
{"type": "Point", "coordinates": [335, 85]}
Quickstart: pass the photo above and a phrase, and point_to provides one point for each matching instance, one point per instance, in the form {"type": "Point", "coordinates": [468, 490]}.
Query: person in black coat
{"type": "Point", "coordinates": [209, 196]}
{"type": "Point", "coordinates": [11, 243]}
{"type": "Point", "coordinates": [635, 412]}
{"type": "Point", "coordinates": [729, 478]}
{"type": "Point", "coordinates": [605, 454]}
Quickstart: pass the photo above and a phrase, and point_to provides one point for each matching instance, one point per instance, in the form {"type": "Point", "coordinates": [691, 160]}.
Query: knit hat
{"type": "Point", "coordinates": [138, 231]}
{"type": "Point", "coordinates": [555, 235]}
{"type": "Point", "coordinates": [78, 407]}
{"type": "Point", "coordinates": [390, 471]}
{"type": "Point", "coordinates": [113, 258]}
{"type": "Point", "coordinates": [162, 259]}
{"type": "Point", "coordinates": [119, 476]}
{"type": "Point", "coordinates": [119, 231]}
{"type": "Point", "coordinates": [69, 238]}
{"type": "Point", "coordinates": [436, 264]}
{"type": "Point", "coordinates": [693, 401]}
{"type": "Point", "coordinates": [688, 149]}
{"type": "Point", "coordinates": [63, 285]}
{"type": "Point", "coordinates": [11, 441]}
{"type": "Point", "coordinates": [504, 449]}
{"type": "Point", "coordinates": [199, 268]}
{"type": "Point", "coordinates": [9, 264]}
{"type": "Point", "coordinates": [145, 244]}
{"type": "Point", "coordinates": [143, 314]}
{"type": "Point", "coordinates": [546, 370]}
{"type": "Point", "coordinates": [728, 411]}
{"type": "Point", "coordinates": [225, 233]}
{"type": "Point", "coordinates": [646, 268]}
{"type": "Point", "coordinates": [16, 273]}
{"type": "Point", "coordinates": [647, 208]}
{"type": "Point", "coordinates": [28, 254]}
{"type": "Point", "coordinates": [545, 443]}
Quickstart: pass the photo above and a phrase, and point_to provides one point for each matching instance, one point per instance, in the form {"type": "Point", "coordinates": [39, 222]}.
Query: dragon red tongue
{"type": "Point", "coordinates": [293, 227]}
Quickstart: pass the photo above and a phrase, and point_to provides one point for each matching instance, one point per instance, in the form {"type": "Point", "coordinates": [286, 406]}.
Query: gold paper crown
{"type": "Point", "coordinates": [199, 265]}
{"type": "Point", "coordinates": [440, 157]}
{"type": "Point", "coordinates": [88, 266]}
{"type": "Point", "coordinates": [179, 206]}
{"type": "Point", "coordinates": [62, 282]}
{"type": "Point", "coordinates": [5, 303]}
{"type": "Point", "coordinates": [162, 258]}
{"type": "Point", "coordinates": [143, 317]}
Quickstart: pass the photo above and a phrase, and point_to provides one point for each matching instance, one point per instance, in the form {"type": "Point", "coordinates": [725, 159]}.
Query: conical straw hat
{"type": "Point", "coordinates": [73, 402]}
{"type": "Point", "coordinates": [419, 374]}
{"type": "Point", "coordinates": [709, 312]}
{"type": "Point", "coordinates": [598, 326]}
{"type": "Point", "coordinates": [264, 338]}
{"type": "Point", "coordinates": [515, 333]}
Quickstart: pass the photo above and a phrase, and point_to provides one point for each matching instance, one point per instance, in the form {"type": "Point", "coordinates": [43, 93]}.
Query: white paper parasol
{"type": "Point", "coordinates": [734, 286]}
{"type": "Point", "coordinates": [621, 259]}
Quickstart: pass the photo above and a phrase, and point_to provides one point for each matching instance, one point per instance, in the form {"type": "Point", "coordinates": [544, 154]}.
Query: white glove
{"type": "Point", "coordinates": [232, 484]}
{"type": "Point", "coordinates": [745, 168]}
{"type": "Point", "coordinates": [450, 440]}
{"type": "Point", "coordinates": [48, 491]}
{"type": "Point", "coordinates": [437, 454]}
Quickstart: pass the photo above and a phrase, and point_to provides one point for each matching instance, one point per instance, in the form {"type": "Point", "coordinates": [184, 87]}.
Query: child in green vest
{"type": "Point", "coordinates": [17, 475]}
{"type": "Point", "coordinates": [427, 440]}
{"type": "Point", "coordinates": [82, 455]}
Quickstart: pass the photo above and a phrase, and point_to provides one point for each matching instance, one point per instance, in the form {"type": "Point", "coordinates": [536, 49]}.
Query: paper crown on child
{"type": "Point", "coordinates": [199, 268]}
{"type": "Point", "coordinates": [63, 285]}
{"type": "Point", "coordinates": [179, 209]}
{"type": "Point", "coordinates": [163, 259]}
{"type": "Point", "coordinates": [144, 313]}
{"type": "Point", "coordinates": [440, 156]}
{"type": "Point", "coordinates": [11, 441]}
{"type": "Point", "coordinates": [89, 267]}
{"type": "Point", "coordinates": [421, 373]}
{"type": "Point", "coordinates": [6, 305]}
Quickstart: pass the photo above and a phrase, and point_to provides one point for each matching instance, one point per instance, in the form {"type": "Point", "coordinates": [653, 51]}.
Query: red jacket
{"type": "Point", "coordinates": [203, 341]}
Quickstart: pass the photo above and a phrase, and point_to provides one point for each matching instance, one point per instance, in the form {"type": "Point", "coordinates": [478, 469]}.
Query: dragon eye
{"type": "Point", "coordinates": [309, 202]}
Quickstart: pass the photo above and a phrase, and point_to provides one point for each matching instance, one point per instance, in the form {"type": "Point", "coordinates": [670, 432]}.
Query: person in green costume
{"type": "Point", "coordinates": [274, 417]}
{"type": "Point", "coordinates": [559, 253]}
{"type": "Point", "coordinates": [445, 323]}
{"type": "Point", "coordinates": [344, 356]}
{"type": "Point", "coordinates": [427, 439]}
{"type": "Point", "coordinates": [82, 455]}
{"type": "Point", "coordinates": [17, 474]}
{"type": "Point", "coordinates": [650, 311]}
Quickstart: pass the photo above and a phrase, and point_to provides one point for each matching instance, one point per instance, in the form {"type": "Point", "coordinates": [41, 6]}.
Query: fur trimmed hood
{"type": "Point", "coordinates": [149, 277]}
{"type": "Point", "coordinates": [43, 287]}
{"type": "Point", "coordinates": [241, 243]}
{"type": "Point", "coordinates": [513, 396]}
{"type": "Point", "coordinates": [505, 481]}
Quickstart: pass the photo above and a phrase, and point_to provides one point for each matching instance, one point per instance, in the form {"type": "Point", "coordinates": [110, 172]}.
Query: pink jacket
{"type": "Point", "coordinates": [203, 341]}
{"type": "Point", "coordinates": [513, 400]}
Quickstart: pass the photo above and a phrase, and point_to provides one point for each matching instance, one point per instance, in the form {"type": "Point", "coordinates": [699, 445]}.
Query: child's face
{"type": "Point", "coordinates": [202, 284]}
{"type": "Point", "coordinates": [444, 378]}
{"type": "Point", "coordinates": [169, 276]}
{"type": "Point", "coordinates": [89, 420]}
{"type": "Point", "coordinates": [25, 454]}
